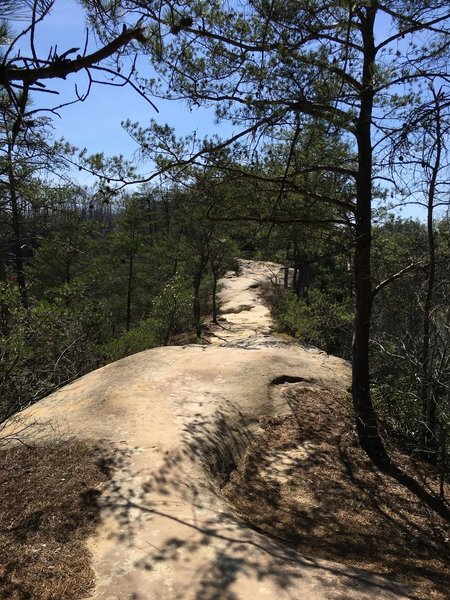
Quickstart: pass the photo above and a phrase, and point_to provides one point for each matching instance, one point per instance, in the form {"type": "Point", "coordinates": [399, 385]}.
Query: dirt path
{"type": "Point", "coordinates": [179, 417]}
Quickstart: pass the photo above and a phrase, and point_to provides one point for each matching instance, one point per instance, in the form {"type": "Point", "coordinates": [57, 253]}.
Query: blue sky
{"type": "Point", "coordinates": [95, 123]}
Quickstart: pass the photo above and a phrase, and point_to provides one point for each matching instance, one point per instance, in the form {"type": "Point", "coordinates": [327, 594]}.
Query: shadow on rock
{"type": "Point", "coordinates": [186, 541]}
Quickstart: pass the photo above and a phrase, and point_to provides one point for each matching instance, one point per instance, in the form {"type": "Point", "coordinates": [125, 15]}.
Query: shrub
{"type": "Point", "coordinates": [41, 349]}
{"type": "Point", "coordinates": [319, 320]}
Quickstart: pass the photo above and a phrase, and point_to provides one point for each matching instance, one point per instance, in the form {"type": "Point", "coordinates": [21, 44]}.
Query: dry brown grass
{"type": "Point", "coordinates": [48, 508]}
{"type": "Point", "coordinates": [306, 481]}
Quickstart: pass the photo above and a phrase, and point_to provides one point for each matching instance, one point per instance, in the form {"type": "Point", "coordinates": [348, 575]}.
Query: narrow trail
{"type": "Point", "coordinates": [245, 322]}
{"type": "Point", "coordinates": [179, 418]}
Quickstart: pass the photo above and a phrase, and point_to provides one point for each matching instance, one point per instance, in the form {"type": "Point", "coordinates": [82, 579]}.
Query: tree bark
{"type": "Point", "coordinates": [366, 421]}
{"type": "Point", "coordinates": [4, 310]}
{"type": "Point", "coordinates": [60, 69]}
{"type": "Point", "coordinates": [428, 399]}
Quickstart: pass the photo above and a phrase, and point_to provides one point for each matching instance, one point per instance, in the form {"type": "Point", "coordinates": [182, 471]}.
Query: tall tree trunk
{"type": "Point", "coordinates": [15, 210]}
{"type": "Point", "coordinates": [69, 257]}
{"type": "Point", "coordinates": [295, 277]}
{"type": "Point", "coordinates": [366, 421]}
{"type": "Point", "coordinates": [169, 329]}
{"type": "Point", "coordinates": [428, 399]}
{"type": "Point", "coordinates": [286, 277]}
{"type": "Point", "coordinates": [151, 221]}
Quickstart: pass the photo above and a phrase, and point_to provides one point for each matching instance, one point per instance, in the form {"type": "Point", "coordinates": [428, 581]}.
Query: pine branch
{"type": "Point", "coordinates": [63, 68]}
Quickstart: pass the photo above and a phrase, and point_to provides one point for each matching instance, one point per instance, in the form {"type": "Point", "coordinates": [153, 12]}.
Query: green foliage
{"type": "Point", "coordinates": [170, 314]}
{"type": "Point", "coordinates": [171, 311]}
{"type": "Point", "coordinates": [103, 282]}
{"type": "Point", "coordinates": [319, 320]}
{"type": "Point", "coordinates": [397, 332]}
{"type": "Point", "coordinates": [139, 338]}
{"type": "Point", "coordinates": [40, 349]}
{"type": "Point", "coordinates": [65, 253]}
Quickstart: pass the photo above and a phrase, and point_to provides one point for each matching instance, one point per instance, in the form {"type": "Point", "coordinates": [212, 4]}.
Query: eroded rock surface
{"type": "Point", "coordinates": [179, 417]}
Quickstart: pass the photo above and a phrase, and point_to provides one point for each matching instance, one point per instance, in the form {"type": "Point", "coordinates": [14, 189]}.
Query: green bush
{"type": "Point", "coordinates": [319, 320]}
{"type": "Point", "coordinates": [172, 309]}
{"type": "Point", "coordinates": [142, 337]}
{"type": "Point", "coordinates": [41, 349]}
{"type": "Point", "coordinates": [171, 313]}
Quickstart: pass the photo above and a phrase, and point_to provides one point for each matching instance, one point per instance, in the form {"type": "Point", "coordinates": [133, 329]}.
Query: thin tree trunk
{"type": "Point", "coordinates": [19, 267]}
{"type": "Point", "coordinates": [129, 289]}
{"type": "Point", "coordinates": [15, 211]}
{"type": "Point", "coordinates": [286, 267]}
{"type": "Point", "coordinates": [427, 396]}
{"type": "Point", "coordinates": [169, 329]}
{"type": "Point", "coordinates": [286, 277]}
{"type": "Point", "coordinates": [69, 258]}
{"type": "Point", "coordinates": [366, 421]}
{"type": "Point", "coordinates": [197, 312]}
{"type": "Point", "coordinates": [298, 282]}
{"type": "Point", "coordinates": [4, 310]}
{"type": "Point", "coordinates": [2, 267]}
{"type": "Point", "coordinates": [214, 296]}
{"type": "Point", "coordinates": [295, 276]}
